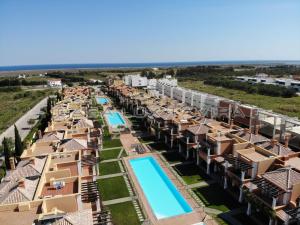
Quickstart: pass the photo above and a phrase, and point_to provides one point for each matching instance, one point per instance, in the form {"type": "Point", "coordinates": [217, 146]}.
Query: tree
{"type": "Point", "coordinates": [18, 143]}
{"type": "Point", "coordinates": [49, 106]}
{"type": "Point", "coordinates": [6, 152]}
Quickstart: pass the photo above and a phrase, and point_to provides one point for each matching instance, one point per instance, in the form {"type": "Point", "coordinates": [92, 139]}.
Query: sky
{"type": "Point", "coordinates": [132, 31]}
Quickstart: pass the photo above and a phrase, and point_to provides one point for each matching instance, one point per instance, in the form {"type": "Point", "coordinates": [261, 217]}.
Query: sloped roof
{"type": "Point", "coordinates": [280, 177]}
{"type": "Point", "coordinates": [53, 136]}
{"type": "Point", "coordinates": [74, 144]}
{"type": "Point", "coordinates": [76, 218]}
{"type": "Point", "coordinates": [20, 194]}
{"type": "Point", "coordinates": [84, 123]}
{"type": "Point", "coordinates": [278, 149]}
{"type": "Point", "coordinates": [198, 129]}
{"type": "Point", "coordinates": [25, 170]}
{"type": "Point", "coordinates": [252, 138]}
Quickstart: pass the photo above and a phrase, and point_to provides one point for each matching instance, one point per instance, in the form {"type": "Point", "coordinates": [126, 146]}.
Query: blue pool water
{"type": "Point", "coordinates": [162, 195]}
{"type": "Point", "coordinates": [101, 100]}
{"type": "Point", "coordinates": [115, 119]}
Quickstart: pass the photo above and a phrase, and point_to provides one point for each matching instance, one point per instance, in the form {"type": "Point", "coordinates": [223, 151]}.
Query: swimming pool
{"type": "Point", "coordinates": [101, 100]}
{"type": "Point", "coordinates": [114, 119]}
{"type": "Point", "coordinates": [163, 197]}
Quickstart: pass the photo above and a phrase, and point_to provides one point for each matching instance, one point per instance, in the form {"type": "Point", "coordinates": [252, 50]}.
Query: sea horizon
{"type": "Point", "coordinates": [142, 65]}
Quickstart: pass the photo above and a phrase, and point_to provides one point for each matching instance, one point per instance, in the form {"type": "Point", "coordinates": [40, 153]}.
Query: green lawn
{"type": "Point", "coordinates": [109, 168]}
{"type": "Point", "coordinates": [190, 173]}
{"type": "Point", "coordinates": [287, 106]}
{"type": "Point", "coordinates": [112, 188]}
{"type": "Point", "coordinates": [124, 214]}
{"type": "Point", "coordinates": [124, 154]}
{"type": "Point", "coordinates": [215, 197]}
{"type": "Point", "coordinates": [112, 143]}
{"type": "Point", "coordinates": [110, 154]}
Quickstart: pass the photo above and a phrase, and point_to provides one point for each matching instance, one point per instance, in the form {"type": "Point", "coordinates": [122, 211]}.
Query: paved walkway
{"type": "Point", "coordinates": [110, 160]}
{"type": "Point", "coordinates": [107, 149]}
{"type": "Point", "coordinates": [181, 163]}
{"type": "Point", "coordinates": [212, 211]}
{"type": "Point", "coordinates": [119, 200]}
{"type": "Point", "coordinates": [22, 125]}
{"type": "Point", "coordinates": [110, 175]}
{"type": "Point", "coordinates": [127, 141]}
{"type": "Point", "coordinates": [201, 184]}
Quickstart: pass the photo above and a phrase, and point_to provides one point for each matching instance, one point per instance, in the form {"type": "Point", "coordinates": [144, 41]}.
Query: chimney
{"type": "Point", "coordinates": [12, 163]}
{"type": "Point", "coordinates": [286, 140]}
{"type": "Point", "coordinates": [256, 129]}
{"type": "Point", "coordinates": [40, 134]}
{"type": "Point", "coordinates": [21, 183]}
{"type": "Point", "coordinates": [289, 178]}
{"type": "Point", "coordinates": [231, 124]}
{"type": "Point", "coordinates": [273, 142]}
{"type": "Point", "coordinates": [32, 161]}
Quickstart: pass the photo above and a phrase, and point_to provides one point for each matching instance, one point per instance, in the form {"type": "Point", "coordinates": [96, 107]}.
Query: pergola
{"type": "Point", "coordinates": [237, 163]}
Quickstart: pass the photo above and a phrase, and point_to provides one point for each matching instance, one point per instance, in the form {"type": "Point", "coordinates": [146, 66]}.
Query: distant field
{"type": "Point", "coordinates": [286, 106]}
{"type": "Point", "coordinates": [14, 104]}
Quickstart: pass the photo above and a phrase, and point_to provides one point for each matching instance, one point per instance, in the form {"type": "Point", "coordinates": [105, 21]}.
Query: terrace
{"type": "Point", "coordinates": [66, 186]}
{"type": "Point", "coordinates": [40, 149]}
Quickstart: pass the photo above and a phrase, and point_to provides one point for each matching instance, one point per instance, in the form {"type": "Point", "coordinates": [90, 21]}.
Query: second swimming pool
{"type": "Point", "coordinates": [101, 100]}
{"type": "Point", "coordinates": [114, 118]}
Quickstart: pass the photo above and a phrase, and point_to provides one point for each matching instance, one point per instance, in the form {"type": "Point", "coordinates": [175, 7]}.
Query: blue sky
{"type": "Point", "coordinates": [116, 31]}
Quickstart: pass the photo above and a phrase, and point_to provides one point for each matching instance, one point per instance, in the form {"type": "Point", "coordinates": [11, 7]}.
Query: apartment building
{"type": "Point", "coordinates": [55, 181]}
{"type": "Point", "coordinates": [249, 151]}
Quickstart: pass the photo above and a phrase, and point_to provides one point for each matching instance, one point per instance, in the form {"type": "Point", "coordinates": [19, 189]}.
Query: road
{"type": "Point", "coordinates": [22, 125]}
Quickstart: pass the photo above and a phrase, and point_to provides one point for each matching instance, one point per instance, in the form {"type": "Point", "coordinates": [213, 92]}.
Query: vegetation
{"type": "Point", "coordinates": [40, 125]}
{"type": "Point", "coordinates": [252, 88]}
{"type": "Point", "coordinates": [190, 173]}
{"type": "Point", "coordinates": [7, 152]}
{"type": "Point", "coordinates": [112, 188]}
{"type": "Point", "coordinates": [109, 168]}
{"type": "Point", "coordinates": [112, 143]}
{"type": "Point", "coordinates": [110, 154]}
{"type": "Point", "coordinates": [21, 82]}
{"type": "Point", "coordinates": [18, 143]}
{"type": "Point", "coordinates": [15, 104]}
{"type": "Point", "coordinates": [287, 106]}
{"type": "Point", "coordinates": [201, 72]}
{"type": "Point", "coordinates": [124, 210]}
{"type": "Point", "coordinates": [215, 197]}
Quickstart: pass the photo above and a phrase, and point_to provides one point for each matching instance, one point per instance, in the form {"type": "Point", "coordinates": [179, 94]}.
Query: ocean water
{"type": "Point", "coordinates": [141, 65]}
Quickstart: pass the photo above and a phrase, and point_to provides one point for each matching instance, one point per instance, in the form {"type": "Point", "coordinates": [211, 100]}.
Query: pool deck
{"type": "Point", "coordinates": [194, 217]}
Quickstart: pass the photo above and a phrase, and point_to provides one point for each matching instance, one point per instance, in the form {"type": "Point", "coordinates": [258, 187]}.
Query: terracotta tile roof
{"type": "Point", "coordinates": [74, 144]}
{"type": "Point", "coordinates": [277, 148]}
{"type": "Point", "coordinates": [252, 138]}
{"type": "Point", "coordinates": [21, 194]}
{"type": "Point", "coordinates": [53, 136]}
{"type": "Point", "coordinates": [198, 129]}
{"type": "Point", "coordinates": [280, 177]}
{"type": "Point", "coordinates": [25, 170]}
{"type": "Point", "coordinates": [76, 218]}
{"type": "Point", "coordinates": [84, 123]}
